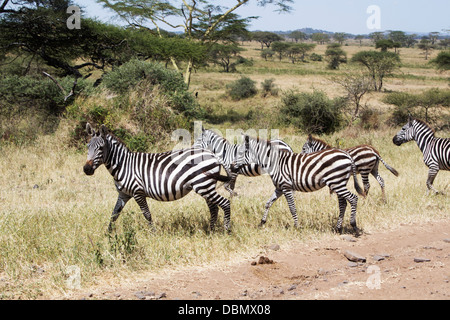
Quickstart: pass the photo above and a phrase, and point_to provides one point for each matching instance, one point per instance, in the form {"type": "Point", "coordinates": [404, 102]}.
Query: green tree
{"type": "Point", "coordinates": [335, 56]}
{"type": "Point", "coordinates": [298, 35]}
{"type": "Point", "coordinates": [320, 38]}
{"type": "Point", "coordinates": [384, 44]}
{"type": "Point", "coordinates": [266, 38]}
{"type": "Point", "coordinates": [379, 65]}
{"type": "Point", "coordinates": [280, 47]}
{"type": "Point", "coordinates": [426, 46]}
{"type": "Point", "coordinates": [298, 51]}
{"type": "Point", "coordinates": [223, 54]}
{"type": "Point", "coordinates": [442, 61]}
{"type": "Point", "coordinates": [140, 13]}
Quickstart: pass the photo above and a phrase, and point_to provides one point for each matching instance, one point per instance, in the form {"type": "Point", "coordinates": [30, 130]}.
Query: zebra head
{"type": "Point", "coordinates": [96, 149]}
{"type": "Point", "coordinates": [309, 145]}
{"type": "Point", "coordinates": [406, 133]}
{"type": "Point", "coordinates": [202, 140]}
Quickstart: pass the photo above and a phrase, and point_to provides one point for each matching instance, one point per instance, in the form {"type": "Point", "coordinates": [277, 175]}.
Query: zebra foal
{"type": "Point", "coordinates": [436, 151]}
{"type": "Point", "coordinates": [306, 173]}
{"type": "Point", "coordinates": [366, 160]}
{"type": "Point", "coordinates": [161, 176]}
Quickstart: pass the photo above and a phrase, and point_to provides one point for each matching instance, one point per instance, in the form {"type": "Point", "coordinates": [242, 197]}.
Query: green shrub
{"type": "Point", "coordinates": [128, 75]}
{"type": "Point", "coordinates": [242, 88]}
{"type": "Point", "coordinates": [269, 87]}
{"type": "Point", "coordinates": [312, 112]}
{"type": "Point", "coordinates": [315, 57]}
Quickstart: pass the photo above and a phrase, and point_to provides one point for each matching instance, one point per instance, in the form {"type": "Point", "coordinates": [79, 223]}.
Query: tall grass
{"type": "Point", "coordinates": [53, 216]}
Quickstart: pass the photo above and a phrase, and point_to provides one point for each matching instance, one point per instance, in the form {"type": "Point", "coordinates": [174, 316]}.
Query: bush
{"type": "Point", "coordinates": [131, 74]}
{"type": "Point", "coordinates": [315, 57]}
{"type": "Point", "coordinates": [242, 88]}
{"type": "Point", "coordinates": [269, 87]}
{"type": "Point", "coordinates": [128, 75]}
{"type": "Point", "coordinates": [312, 112]}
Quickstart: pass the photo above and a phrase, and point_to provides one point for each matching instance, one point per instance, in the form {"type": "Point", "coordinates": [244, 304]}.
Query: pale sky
{"type": "Point", "coordinates": [349, 16]}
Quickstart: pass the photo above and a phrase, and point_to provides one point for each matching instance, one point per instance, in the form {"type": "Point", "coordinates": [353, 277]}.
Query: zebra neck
{"type": "Point", "coordinates": [114, 159]}
{"type": "Point", "coordinates": [423, 136]}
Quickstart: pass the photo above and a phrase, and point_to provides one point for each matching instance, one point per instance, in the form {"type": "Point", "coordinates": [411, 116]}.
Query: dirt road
{"type": "Point", "coordinates": [410, 262]}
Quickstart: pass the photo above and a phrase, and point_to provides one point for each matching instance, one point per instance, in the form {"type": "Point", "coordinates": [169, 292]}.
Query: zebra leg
{"type": "Point", "coordinates": [121, 201]}
{"type": "Point", "coordinates": [432, 172]}
{"type": "Point", "coordinates": [142, 202]}
{"type": "Point", "coordinates": [353, 200]}
{"type": "Point", "coordinates": [213, 199]}
{"type": "Point", "coordinates": [276, 194]}
{"type": "Point", "coordinates": [342, 207]}
{"type": "Point", "coordinates": [289, 194]}
{"type": "Point", "coordinates": [365, 180]}
{"type": "Point", "coordinates": [213, 210]}
{"type": "Point", "coordinates": [381, 182]}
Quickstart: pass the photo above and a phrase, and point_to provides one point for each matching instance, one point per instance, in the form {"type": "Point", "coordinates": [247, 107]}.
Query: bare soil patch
{"type": "Point", "coordinates": [409, 262]}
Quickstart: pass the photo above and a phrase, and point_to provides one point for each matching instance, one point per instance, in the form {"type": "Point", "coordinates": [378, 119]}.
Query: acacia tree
{"type": "Point", "coordinates": [141, 13]}
{"type": "Point", "coordinates": [379, 65]}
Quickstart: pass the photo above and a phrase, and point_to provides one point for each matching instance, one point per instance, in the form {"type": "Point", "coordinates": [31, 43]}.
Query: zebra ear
{"type": "Point", "coordinates": [309, 137]}
{"type": "Point", "coordinates": [103, 130]}
{"type": "Point", "coordinates": [410, 118]}
{"type": "Point", "coordinates": [89, 129]}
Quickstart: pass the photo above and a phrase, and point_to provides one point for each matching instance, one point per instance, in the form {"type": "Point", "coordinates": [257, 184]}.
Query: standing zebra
{"type": "Point", "coordinates": [366, 159]}
{"type": "Point", "coordinates": [161, 176]}
{"type": "Point", "coordinates": [227, 153]}
{"type": "Point", "coordinates": [436, 151]}
{"type": "Point", "coordinates": [306, 173]}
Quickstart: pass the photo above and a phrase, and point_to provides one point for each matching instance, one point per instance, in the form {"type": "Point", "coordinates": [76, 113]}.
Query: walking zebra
{"type": "Point", "coordinates": [306, 173]}
{"type": "Point", "coordinates": [436, 151]}
{"type": "Point", "coordinates": [226, 152]}
{"type": "Point", "coordinates": [161, 176]}
{"type": "Point", "coordinates": [366, 160]}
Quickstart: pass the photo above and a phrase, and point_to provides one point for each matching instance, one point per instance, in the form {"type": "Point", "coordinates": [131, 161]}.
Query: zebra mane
{"type": "Point", "coordinates": [310, 137]}
{"type": "Point", "coordinates": [423, 123]}
{"type": "Point", "coordinates": [113, 138]}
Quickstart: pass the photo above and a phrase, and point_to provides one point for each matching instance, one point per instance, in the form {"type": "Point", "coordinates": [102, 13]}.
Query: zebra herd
{"type": "Point", "coordinates": [171, 175]}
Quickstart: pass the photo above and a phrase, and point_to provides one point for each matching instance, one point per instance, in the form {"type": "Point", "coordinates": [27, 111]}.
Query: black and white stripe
{"type": "Point", "coordinates": [226, 152]}
{"type": "Point", "coordinates": [306, 173]}
{"type": "Point", "coordinates": [366, 160]}
{"type": "Point", "coordinates": [161, 176]}
{"type": "Point", "coordinates": [436, 151]}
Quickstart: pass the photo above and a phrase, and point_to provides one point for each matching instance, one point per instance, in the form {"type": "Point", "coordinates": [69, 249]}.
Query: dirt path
{"type": "Point", "coordinates": [410, 262]}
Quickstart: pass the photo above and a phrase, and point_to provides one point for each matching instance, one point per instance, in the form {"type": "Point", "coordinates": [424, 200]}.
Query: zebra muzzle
{"type": "Point", "coordinates": [89, 168]}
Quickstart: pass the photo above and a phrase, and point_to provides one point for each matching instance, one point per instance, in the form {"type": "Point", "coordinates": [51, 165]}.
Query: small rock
{"type": "Point", "coordinates": [421, 260]}
{"type": "Point", "coordinates": [354, 257]}
{"type": "Point", "coordinates": [274, 247]}
{"type": "Point", "coordinates": [447, 240]}
{"type": "Point", "coordinates": [36, 186]}
{"type": "Point", "coordinates": [348, 238]}
{"type": "Point", "coordinates": [292, 287]}
{"type": "Point", "coordinates": [352, 264]}
{"type": "Point", "coordinates": [162, 295]}
{"type": "Point", "coordinates": [253, 263]}
{"type": "Point", "coordinates": [377, 257]}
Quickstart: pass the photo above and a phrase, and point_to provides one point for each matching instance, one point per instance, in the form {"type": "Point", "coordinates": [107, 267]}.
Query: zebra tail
{"type": "Point", "coordinates": [395, 172]}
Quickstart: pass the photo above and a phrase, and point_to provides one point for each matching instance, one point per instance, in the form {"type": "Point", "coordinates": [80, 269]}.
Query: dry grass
{"type": "Point", "coordinates": [52, 216]}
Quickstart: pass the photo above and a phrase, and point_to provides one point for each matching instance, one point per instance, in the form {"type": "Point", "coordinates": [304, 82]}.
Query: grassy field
{"type": "Point", "coordinates": [54, 217]}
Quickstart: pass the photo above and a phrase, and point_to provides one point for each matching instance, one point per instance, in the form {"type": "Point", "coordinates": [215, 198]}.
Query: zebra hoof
{"type": "Point", "coordinates": [262, 223]}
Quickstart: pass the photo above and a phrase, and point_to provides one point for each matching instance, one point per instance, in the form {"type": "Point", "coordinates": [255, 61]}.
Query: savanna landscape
{"type": "Point", "coordinates": [54, 239]}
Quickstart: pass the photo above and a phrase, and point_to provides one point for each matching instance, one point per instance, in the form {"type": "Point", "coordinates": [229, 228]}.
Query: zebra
{"type": "Point", "coordinates": [366, 160]}
{"type": "Point", "coordinates": [306, 173]}
{"type": "Point", "coordinates": [436, 151]}
{"type": "Point", "coordinates": [164, 176]}
{"type": "Point", "coordinates": [226, 152]}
